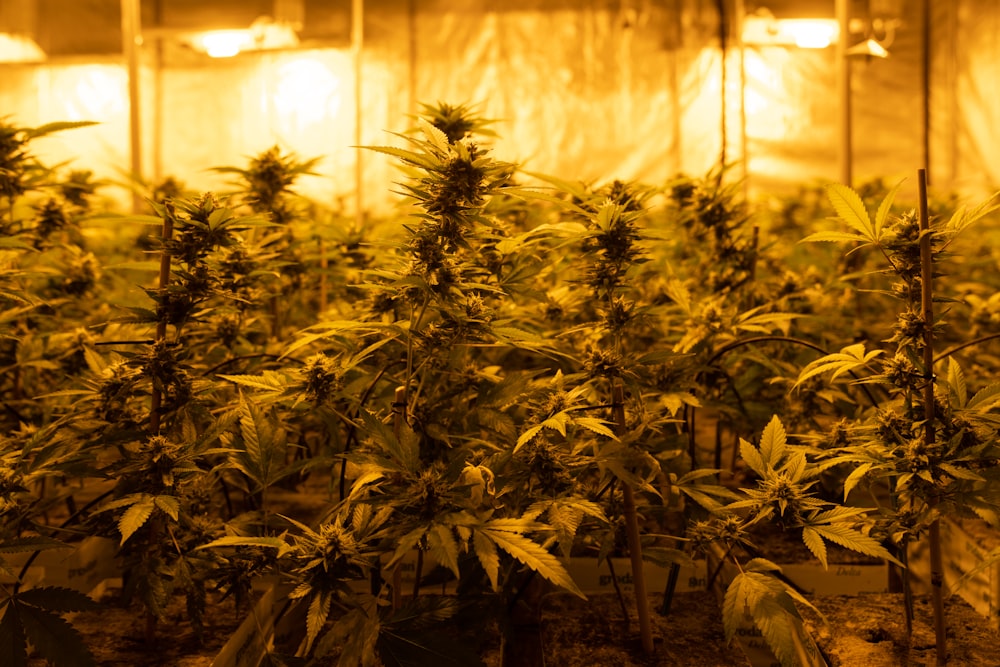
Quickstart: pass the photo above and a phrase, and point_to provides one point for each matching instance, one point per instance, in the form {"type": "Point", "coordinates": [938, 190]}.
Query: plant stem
{"type": "Point", "coordinates": [632, 533]}
{"type": "Point", "coordinates": [618, 590]}
{"type": "Point", "coordinates": [969, 343]}
{"type": "Point", "coordinates": [156, 397]}
{"type": "Point", "coordinates": [927, 305]}
{"type": "Point", "coordinates": [324, 265]}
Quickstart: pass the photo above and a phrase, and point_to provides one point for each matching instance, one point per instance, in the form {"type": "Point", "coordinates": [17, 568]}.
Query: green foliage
{"type": "Point", "coordinates": [770, 604]}
{"type": "Point", "coordinates": [479, 383]}
{"type": "Point", "coordinates": [33, 617]}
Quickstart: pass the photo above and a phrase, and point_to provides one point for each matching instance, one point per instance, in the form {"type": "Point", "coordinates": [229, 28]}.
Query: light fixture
{"type": "Point", "coordinates": [763, 29]}
{"type": "Point", "coordinates": [15, 48]}
{"type": "Point", "coordinates": [223, 43]}
{"type": "Point", "coordinates": [263, 34]}
{"type": "Point", "coordinates": [869, 47]}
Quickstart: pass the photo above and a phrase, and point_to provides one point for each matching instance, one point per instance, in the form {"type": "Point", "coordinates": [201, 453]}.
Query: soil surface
{"type": "Point", "coordinates": [114, 634]}
{"type": "Point", "coordinates": [577, 633]}
{"type": "Point", "coordinates": [870, 631]}
{"type": "Point", "coordinates": [860, 631]}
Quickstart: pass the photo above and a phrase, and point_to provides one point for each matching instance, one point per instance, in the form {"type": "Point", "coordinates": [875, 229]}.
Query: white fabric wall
{"type": "Point", "coordinates": [603, 90]}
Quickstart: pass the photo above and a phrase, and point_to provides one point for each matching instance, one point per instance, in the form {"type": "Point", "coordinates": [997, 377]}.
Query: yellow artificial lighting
{"type": "Point", "coordinates": [812, 33]}
{"type": "Point", "coordinates": [803, 33]}
{"type": "Point", "coordinates": [263, 34]}
{"type": "Point", "coordinates": [19, 49]}
{"type": "Point", "coordinates": [869, 47]}
{"type": "Point", "coordinates": [224, 43]}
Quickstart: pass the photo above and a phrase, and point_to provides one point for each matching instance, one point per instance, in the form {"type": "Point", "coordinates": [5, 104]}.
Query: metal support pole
{"type": "Point", "coordinates": [741, 13]}
{"type": "Point", "coordinates": [843, 10]}
{"type": "Point", "coordinates": [131, 43]}
{"type": "Point", "coordinates": [357, 45]}
{"type": "Point", "coordinates": [926, 80]}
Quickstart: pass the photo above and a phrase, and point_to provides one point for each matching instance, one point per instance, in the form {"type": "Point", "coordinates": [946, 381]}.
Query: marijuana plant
{"type": "Point", "coordinates": [783, 494]}
{"type": "Point", "coordinates": [929, 441]}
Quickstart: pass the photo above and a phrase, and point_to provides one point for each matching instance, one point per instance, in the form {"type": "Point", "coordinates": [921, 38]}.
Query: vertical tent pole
{"type": "Point", "coordinates": [843, 9]}
{"type": "Point", "coordinates": [131, 42]}
{"type": "Point", "coordinates": [741, 12]}
{"type": "Point", "coordinates": [926, 75]}
{"type": "Point", "coordinates": [357, 44]}
{"type": "Point", "coordinates": [411, 72]}
{"type": "Point", "coordinates": [158, 96]}
{"type": "Point", "coordinates": [723, 81]}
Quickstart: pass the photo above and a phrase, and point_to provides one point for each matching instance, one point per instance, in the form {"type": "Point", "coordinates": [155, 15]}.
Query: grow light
{"type": "Point", "coordinates": [19, 49]}
{"type": "Point", "coordinates": [264, 33]}
{"type": "Point", "coordinates": [869, 47]}
{"type": "Point", "coordinates": [803, 33]}
{"type": "Point", "coordinates": [223, 43]}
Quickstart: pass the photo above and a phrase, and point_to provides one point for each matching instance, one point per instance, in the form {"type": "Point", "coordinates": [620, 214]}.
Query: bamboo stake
{"type": "Point", "coordinates": [632, 532]}
{"type": "Point", "coordinates": [324, 264]}
{"type": "Point", "coordinates": [156, 397]}
{"type": "Point", "coordinates": [398, 419]}
{"type": "Point", "coordinates": [927, 306]}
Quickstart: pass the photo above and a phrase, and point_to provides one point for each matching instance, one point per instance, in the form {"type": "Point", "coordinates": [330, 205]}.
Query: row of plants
{"type": "Point", "coordinates": [514, 371]}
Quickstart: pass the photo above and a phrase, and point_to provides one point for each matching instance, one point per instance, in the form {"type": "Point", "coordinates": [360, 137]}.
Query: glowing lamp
{"type": "Point", "coordinates": [766, 30]}
{"type": "Point", "coordinates": [19, 49]}
{"type": "Point", "coordinates": [223, 43]}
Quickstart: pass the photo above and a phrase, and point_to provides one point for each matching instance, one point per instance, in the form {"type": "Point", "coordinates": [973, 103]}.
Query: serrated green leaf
{"type": "Point", "coordinates": [57, 599]}
{"type": "Point", "coordinates": [319, 611]}
{"type": "Point", "coordinates": [753, 458]}
{"type": "Point", "coordinates": [13, 643]}
{"type": "Point", "coordinates": [57, 126]}
{"type": "Point", "coordinates": [532, 554]}
{"type": "Point", "coordinates": [557, 422]}
{"type": "Point", "coordinates": [963, 217]}
{"type": "Point", "coordinates": [443, 547]}
{"type": "Point", "coordinates": [772, 443]}
{"type": "Point", "coordinates": [855, 478]}
{"type": "Point", "coordinates": [815, 544]}
{"type": "Point", "coordinates": [596, 425]}
{"type": "Point", "coordinates": [269, 381]}
{"type": "Point", "coordinates": [135, 517]}
{"type": "Point", "coordinates": [16, 545]}
{"type": "Point", "coordinates": [883, 210]}
{"type": "Point", "coordinates": [169, 505]}
{"type": "Point", "coordinates": [240, 541]}
{"type": "Point", "coordinates": [985, 398]}
{"type": "Point", "coordinates": [527, 436]}
{"type": "Point", "coordinates": [961, 473]}
{"type": "Point", "coordinates": [834, 237]}
{"type": "Point", "coordinates": [54, 638]}
{"type": "Point", "coordinates": [850, 358]}
{"type": "Point", "coordinates": [956, 382]}
{"type": "Point", "coordinates": [851, 210]}
{"type": "Point", "coordinates": [486, 552]}
{"type": "Point", "coordinates": [435, 136]}
{"type": "Point", "coordinates": [795, 466]}
{"type": "Point", "coordinates": [409, 157]}
{"type": "Point", "coordinates": [855, 541]}
{"type": "Point", "coordinates": [771, 610]}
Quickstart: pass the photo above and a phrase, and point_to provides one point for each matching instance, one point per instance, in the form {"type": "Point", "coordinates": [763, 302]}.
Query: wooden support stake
{"type": "Point", "coordinates": [927, 306]}
{"type": "Point", "coordinates": [632, 532]}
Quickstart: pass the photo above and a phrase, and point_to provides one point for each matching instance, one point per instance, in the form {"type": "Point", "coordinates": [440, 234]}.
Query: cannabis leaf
{"type": "Point", "coordinates": [963, 218]}
{"type": "Point", "coordinates": [848, 360]}
{"type": "Point", "coordinates": [755, 593]}
{"type": "Point", "coordinates": [506, 534]}
{"type": "Point", "coordinates": [34, 616]}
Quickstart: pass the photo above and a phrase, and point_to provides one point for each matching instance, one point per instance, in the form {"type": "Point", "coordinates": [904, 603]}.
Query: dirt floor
{"type": "Point", "coordinates": [115, 635]}
{"type": "Point", "coordinates": [860, 631]}
{"type": "Point", "coordinates": [870, 630]}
